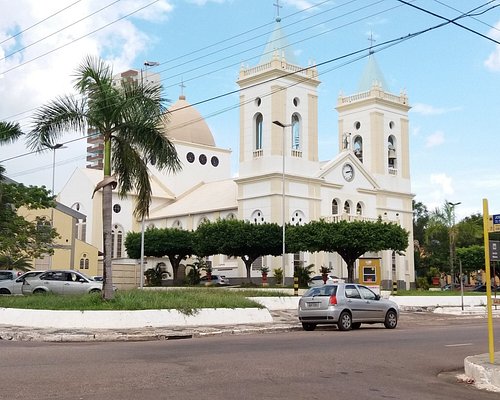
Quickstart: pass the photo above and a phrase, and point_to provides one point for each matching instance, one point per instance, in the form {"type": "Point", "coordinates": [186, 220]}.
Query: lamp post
{"type": "Point", "coordinates": [452, 244]}
{"type": "Point", "coordinates": [53, 147]}
{"type": "Point", "coordinates": [283, 126]}
{"type": "Point", "coordinates": [146, 65]}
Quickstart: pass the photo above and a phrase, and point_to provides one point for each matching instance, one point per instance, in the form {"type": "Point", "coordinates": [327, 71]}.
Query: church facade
{"type": "Point", "coordinates": [280, 177]}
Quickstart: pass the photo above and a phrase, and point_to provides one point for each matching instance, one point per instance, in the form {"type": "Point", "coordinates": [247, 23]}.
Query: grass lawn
{"type": "Point", "coordinates": [185, 301]}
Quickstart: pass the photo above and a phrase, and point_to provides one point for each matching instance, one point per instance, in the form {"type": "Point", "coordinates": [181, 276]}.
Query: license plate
{"type": "Point", "coordinates": [312, 305]}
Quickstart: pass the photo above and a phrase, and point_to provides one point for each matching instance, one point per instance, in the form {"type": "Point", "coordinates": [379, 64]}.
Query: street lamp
{"type": "Point", "coordinates": [283, 126]}
{"type": "Point", "coordinates": [452, 243]}
{"type": "Point", "coordinates": [146, 65]}
{"type": "Point", "coordinates": [53, 147]}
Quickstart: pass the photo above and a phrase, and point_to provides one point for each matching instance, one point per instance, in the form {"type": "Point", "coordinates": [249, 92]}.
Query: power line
{"type": "Point", "coordinates": [79, 38]}
{"type": "Point", "coordinates": [39, 22]}
{"type": "Point", "coordinates": [58, 31]}
{"type": "Point", "coordinates": [374, 49]}
{"type": "Point", "coordinates": [453, 21]}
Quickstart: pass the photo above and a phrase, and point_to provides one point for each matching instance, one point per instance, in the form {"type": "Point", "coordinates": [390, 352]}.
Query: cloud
{"type": "Point", "coordinates": [299, 4]}
{"type": "Point", "coordinates": [435, 139]}
{"type": "Point", "coordinates": [493, 61]}
{"type": "Point", "coordinates": [427, 109]}
{"type": "Point", "coordinates": [41, 71]}
{"type": "Point", "coordinates": [204, 2]}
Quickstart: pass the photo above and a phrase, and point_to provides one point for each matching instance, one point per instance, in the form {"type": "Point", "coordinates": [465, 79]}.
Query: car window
{"type": "Point", "coordinates": [4, 275]}
{"type": "Point", "coordinates": [54, 276]}
{"type": "Point", "coordinates": [351, 292]}
{"type": "Point", "coordinates": [367, 293]}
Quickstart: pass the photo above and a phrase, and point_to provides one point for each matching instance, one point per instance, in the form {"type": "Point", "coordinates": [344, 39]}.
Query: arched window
{"type": "Point", "coordinates": [296, 131]}
{"type": "Point", "coordinates": [257, 217]}
{"type": "Point", "coordinates": [259, 122]}
{"type": "Point", "coordinates": [391, 152]}
{"type": "Point", "coordinates": [358, 147]}
{"type": "Point", "coordinates": [84, 261]}
{"type": "Point", "coordinates": [298, 218]}
{"type": "Point", "coordinates": [117, 241]}
{"type": "Point", "coordinates": [203, 220]}
{"type": "Point", "coordinates": [347, 207]}
{"type": "Point", "coordinates": [359, 209]}
{"type": "Point", "coordinates": [335, 207]}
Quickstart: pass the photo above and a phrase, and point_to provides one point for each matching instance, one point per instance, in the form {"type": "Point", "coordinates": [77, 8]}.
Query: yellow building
{"type": "Point", "coordinates": [71, 251]}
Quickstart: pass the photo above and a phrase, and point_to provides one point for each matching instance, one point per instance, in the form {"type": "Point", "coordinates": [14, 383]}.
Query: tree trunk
{"type": "Point", "coordinates": [107, 205]}
{"type": "Point", "coordinates": [350, 271]}
{"type": "Point", "coordinates": [248, 266]}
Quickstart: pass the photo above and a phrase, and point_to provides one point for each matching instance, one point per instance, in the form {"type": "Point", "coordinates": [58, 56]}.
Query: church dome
{"type": "Point", "coordinates": [186, 124]}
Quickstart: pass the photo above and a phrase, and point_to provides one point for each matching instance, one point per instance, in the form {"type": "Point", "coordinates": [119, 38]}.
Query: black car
{"type": "Point", "coordinates": [482, 288]}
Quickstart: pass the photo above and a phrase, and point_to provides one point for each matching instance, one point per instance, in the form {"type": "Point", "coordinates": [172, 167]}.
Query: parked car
{"type": "Point", "coordinates": [318, 280]}
{"type": "Point", "coordinates": [482, 288]}
{"type": "Point", "coordinates": [215, 280]}
{"type": "Point", "coordinates": [9, 274]}
{"type": "Point", "coordinates": [61, 282]}
{"type": "Point", "coordinates": [14, 286]}
{"type": "Point", "coordinates": [346, 305]}
{"type": "Point", "coordinates": [98, 278]}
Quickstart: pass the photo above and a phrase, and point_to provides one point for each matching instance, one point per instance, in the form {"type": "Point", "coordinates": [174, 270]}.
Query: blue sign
{"type": "Point", "coordinates": [496, 219]}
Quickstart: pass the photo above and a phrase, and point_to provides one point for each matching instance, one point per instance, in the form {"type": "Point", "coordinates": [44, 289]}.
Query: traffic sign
{"type": "Point", "coordinates": [496, 219]}
{"type": "Point", "coordinates": [494, 250]}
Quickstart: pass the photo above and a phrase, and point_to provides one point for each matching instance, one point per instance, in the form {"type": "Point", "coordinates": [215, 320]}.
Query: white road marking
{"type": "Point", "coordinates": [458, 345]}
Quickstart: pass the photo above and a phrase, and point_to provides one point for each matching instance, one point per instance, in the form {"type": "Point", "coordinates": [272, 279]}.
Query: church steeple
{"type": "Point", "coordinates": [277, 47]}
{"type": "Point", "coordinates": [372, 75]}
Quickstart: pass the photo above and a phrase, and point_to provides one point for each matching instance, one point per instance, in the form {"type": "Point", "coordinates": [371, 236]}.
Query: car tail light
{"type": "Point", "coordinates": [333, 299]}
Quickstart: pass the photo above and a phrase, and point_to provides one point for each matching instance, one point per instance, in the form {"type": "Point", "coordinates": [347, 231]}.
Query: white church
{"type": "Point", "coordinates": [280, 175]}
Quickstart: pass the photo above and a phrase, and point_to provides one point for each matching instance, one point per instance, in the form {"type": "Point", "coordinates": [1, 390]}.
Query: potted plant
{"type": "Point", "coordinates": [264, 271]}
{"type": "Point", "coordinates": [324, 273]}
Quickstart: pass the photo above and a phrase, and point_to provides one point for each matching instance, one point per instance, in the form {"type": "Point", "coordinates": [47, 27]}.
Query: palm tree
{"type": "Point", "coordinates": [130, 118]}
{"type": "Point", "coordinates": [9, 262]}
{"type": "Point", "coordinates": [9, 132]}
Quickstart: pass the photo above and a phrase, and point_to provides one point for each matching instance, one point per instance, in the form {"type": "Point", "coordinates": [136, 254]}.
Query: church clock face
{"type": "Point", "coordinates": [348, 172]}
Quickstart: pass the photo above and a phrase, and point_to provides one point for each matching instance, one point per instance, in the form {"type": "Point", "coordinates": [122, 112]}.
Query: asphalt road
{"type": "Point", "coordinates": [410, 362]}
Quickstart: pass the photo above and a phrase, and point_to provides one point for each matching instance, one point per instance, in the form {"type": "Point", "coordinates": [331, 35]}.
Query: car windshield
{"type": "Point", "coordinates": [326, 290]}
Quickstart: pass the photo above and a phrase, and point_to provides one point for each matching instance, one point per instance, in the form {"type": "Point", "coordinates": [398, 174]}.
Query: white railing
{"type": "Point", "coordinates": [393, 171]}
{"type": "Point", "coordinates": [296, 153]}
{"type": "Point", "coordinates": [258, 153]}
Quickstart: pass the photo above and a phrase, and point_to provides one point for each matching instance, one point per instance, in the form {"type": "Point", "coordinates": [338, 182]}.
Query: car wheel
{"type": "Point", "coordinates": [308, 326]}
{"type": "Point", "coordinates": [95, 291]}
{"type": "Point", "coordinates": [38, 291]}
{"type": "Point", "coordinates": [391, 319]}
{"type": "Point", "coordinates": [4, 291]}
{"type": "Point", "coordinates": [345, 321]}
{"type": "Point", "coordinates": [356, 325]}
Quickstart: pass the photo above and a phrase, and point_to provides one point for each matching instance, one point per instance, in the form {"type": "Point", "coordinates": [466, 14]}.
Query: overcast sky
{"type": "Point", "coordinates": [451, 74]}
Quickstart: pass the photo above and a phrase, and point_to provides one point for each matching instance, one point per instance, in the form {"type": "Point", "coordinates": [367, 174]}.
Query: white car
{"type": "Point", "coordinates": [14, 286]}
{"type": "Point", "coordinates": [61, 282]}
{"type": "Point", "coordinates": [318, 280]}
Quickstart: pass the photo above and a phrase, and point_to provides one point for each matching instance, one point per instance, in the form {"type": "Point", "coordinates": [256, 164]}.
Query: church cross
{"type": "Point", "coordinates": [182, 86]}
{"type": "Point", "coordinates": [371, 40]}
{"type": "Point", "coordinates": [277, 5]}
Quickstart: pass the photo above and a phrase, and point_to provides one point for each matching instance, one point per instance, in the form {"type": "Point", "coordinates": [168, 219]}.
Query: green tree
{"type": "Point", "coordinates": [176, 244]}
{"type": "Point", "coordinates": [470, 231]}
{"type": "Point", "coordinates": [21, 238]}
{"type": "Point", "coordinates": [349, 239]}
{"type": "Point", "coordinates": [130, 117]}
{"type": "Point", "coordinates": [420, 221]}
{"type": "Point", "coordinates": [472, 258]}
{"type": "Point", "coordinates": [236, 238]}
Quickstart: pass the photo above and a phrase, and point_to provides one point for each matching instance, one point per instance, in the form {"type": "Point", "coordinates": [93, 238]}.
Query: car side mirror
{"type": "Point", "coordinates": [377, 297]}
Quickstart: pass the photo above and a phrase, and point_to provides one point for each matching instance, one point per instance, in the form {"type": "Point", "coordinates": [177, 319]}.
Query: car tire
{"type": "Point", "coordinates": [356, 325]}
{"type": "Point", "coordinates": [308, 326]}
{"type": "Point", "coordinates": [95, 291]}
{"type": "Point", "coordinates": [391, 319]}
{"type": "Point", "coordinates": [345, 321]}
{"type": "Point", "coordinates": [39, 291]}
{"type": "Point", "coordinates": [4, 291]}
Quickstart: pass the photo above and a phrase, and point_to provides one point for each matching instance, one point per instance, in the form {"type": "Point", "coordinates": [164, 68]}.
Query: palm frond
{"type": "Point", "coordinates": [9, 132]}
{"type": "Point", "coordinates": [52, 120]}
